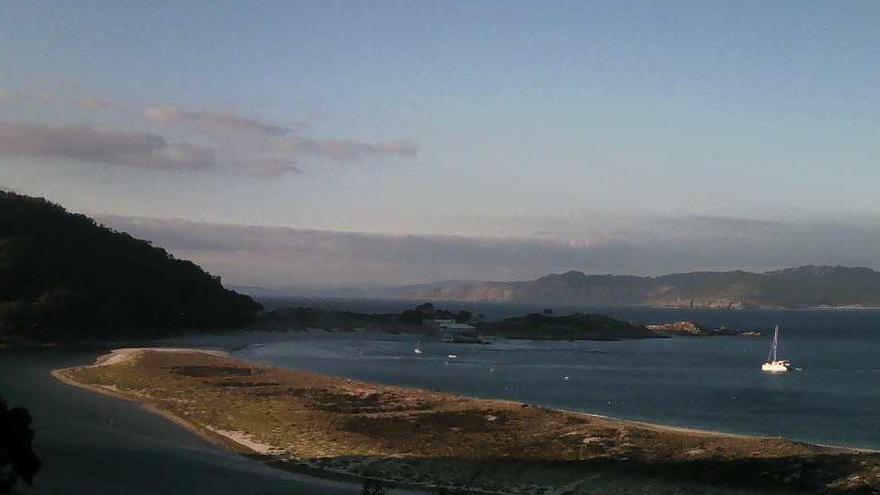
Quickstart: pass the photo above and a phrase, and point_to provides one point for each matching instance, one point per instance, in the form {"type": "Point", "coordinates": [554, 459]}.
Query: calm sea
{"type": "Point", "coordinates": [93, 444]}
{"type": "Point", "coordinates": [713, 383]}
{"type": "Point", "coordinates": [97, 444]}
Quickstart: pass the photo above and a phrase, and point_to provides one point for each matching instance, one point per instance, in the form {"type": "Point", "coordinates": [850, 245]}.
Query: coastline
{"type": "Point", "coordinates": [220, 438]}
{"type": "Point", "coordinates": [59, 374]}
{"type": "Point", "coordinates": [244, 443]}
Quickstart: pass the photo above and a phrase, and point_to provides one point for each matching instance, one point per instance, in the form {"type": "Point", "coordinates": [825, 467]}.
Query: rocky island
{"type": "Point", "coordinates": [577, 326]}
{"type": "Point", "coordinates": [691, 329]}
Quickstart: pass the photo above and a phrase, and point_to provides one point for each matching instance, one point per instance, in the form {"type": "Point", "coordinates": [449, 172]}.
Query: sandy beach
{"type": "Point", "coordinates": [417, 438]}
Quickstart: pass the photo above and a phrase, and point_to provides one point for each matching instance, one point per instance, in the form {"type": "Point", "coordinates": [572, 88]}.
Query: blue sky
{"type": "Point", "coordinates": [456, 118]}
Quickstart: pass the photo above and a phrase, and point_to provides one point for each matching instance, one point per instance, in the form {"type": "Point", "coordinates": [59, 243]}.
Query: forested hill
{"type": "Point", "coordinates": [64, 277]}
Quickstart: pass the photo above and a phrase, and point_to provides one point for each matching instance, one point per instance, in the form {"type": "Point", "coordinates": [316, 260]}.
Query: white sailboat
{"type": "Point", "coordinates": [418, 349]}
{"type": "Point", "coordinates": [774, 364]}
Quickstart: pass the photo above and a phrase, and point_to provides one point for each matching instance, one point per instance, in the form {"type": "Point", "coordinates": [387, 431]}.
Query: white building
{"type": "Point", "coordinates": [452, 331]}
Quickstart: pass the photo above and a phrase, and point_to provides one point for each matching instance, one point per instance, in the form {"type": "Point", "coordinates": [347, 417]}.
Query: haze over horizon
{"type": "Point", "coordinates": [325, 144]}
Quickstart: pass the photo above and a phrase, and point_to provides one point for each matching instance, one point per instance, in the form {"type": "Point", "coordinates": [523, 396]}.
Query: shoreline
{"type": "Point", "coordinates": [218, 438]}
{"type": "Point", "coordinates": [213, 436]}
{"type": "Point", "coordinates": [59, 375]}
{"type": "Point", "coordinates": [718, 433]}
{"type": "Point", "coordinates": [210, 435]}
{"type": "Point", "coordinates": [245, 443]}
{"type": "Point", "coordinates": [647, 423]}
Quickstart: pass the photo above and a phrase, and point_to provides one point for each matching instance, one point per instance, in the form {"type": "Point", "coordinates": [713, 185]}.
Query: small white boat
{"type": "Point", "coordinates": [774, 364]}
{"type": "Point", "coordinates": [418, 349]}
{"type": "Point", "coordinates": [452, 356]}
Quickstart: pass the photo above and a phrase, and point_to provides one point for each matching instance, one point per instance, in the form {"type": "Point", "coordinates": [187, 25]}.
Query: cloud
{"type": "Point", "coordinates": [176, 137]}
{"type": "Point", "coordinates": [27, 96]}
{"type": "Point", "coordinates": [91, 103]}
{"type": "Point", "coordinates": [282, 150]}
{"type": "Point", "coordinates": [87, 144]}
{"type": "Point", "coordinates": [287, 145]}
{"type": "Point", "coordinates": [339, 149]}
{"type": "Point", "coordinates": [279, 256]}
{"type": "Point", "coordinates": [95, 103]}
{"type": "Point", "coordinates": [272, 168]}
{"type": "Point", "coordinates": [222, 121]}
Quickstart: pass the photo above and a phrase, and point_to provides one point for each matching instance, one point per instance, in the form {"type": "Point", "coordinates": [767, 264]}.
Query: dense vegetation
{"type": "Point", "coordinates": [17, 458]}
{"type": "Point", "coordinates": [306, 317]}
{"type": "Point", "coordinates": [427, 311]}
{"type": "Point", "coordinates": [578, 326]}
{"type": "Point", "coordinates": [545, 326]}
{"type": "Point", "coordinates": [64, 277]}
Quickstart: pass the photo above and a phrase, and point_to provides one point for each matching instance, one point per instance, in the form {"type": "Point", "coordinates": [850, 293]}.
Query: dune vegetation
{"type": "Point", "coordinates": [406, 436]}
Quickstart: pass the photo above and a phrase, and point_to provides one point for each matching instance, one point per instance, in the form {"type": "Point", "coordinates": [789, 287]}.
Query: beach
{"type": "Point", "coordinates": [416, 438]}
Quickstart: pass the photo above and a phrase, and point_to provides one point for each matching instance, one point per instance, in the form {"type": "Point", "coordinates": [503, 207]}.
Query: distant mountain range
{"type": "Point", "coordinates": [803, 287]}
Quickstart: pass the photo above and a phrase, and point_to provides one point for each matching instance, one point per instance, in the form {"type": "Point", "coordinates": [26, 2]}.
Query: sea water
{"type": "Point", "coordinates": [95, 444]}
{"type": "Point", "coordinates": [712, 383]}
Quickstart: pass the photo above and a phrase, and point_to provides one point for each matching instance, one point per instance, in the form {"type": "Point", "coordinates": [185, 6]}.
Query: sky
{"type": "Point", "coordinates": [357, 143]}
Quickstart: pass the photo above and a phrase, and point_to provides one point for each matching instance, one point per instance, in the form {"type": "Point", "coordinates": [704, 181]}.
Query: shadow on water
{"type": "Point", "coordinates": [91, 444]}
{"type": "Point", "coordinates": [827, 473]}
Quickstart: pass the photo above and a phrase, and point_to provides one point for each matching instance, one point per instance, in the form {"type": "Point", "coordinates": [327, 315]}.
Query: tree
{"type": "Point", "coordinates": [421, 312]}
{"type": "Point", "coordinates": [372, 486]}
{"type": "Point", "coordinates": [17, 458]}
{"type": "Point", "coordinates": [63, 277]}
{"type": "Point", "coordinates": [446, 491]}
{"type": "Point", "coordinates": [427, 311]}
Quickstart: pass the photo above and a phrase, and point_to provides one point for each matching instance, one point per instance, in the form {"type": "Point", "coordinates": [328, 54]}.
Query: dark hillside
{"type": "Point", "coordinates": [64, 277]}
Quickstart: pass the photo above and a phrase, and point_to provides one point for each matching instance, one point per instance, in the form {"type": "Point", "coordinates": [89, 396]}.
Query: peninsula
{"type": "Point", "coordinates": [409, 437]}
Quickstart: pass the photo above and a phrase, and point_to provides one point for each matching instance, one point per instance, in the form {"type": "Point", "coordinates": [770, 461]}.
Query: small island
{"type": "Point", "coordinates": [424, 318]}
{"type": "Point", "coordinates": [410, 437]}
{"type": "Point", "coordinates": [577, 326]}
{"type": "Point", "coordinates": [691, 329]}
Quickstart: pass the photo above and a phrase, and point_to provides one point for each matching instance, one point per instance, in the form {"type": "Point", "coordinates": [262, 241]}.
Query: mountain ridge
{"type": "Point", "coordinates": [807, 286]}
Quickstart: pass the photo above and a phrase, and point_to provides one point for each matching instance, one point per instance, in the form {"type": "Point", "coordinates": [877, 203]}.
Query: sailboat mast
{"type": "Point", "coordinates": [775, 342]}
{"type": "Point", "coordinates": [773, 363]}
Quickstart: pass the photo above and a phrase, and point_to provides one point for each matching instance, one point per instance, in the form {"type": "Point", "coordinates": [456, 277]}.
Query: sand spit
{"type": "Point", "coordinates": [122, 355]}
{"type": "Point", "coordinates": [417, 438]}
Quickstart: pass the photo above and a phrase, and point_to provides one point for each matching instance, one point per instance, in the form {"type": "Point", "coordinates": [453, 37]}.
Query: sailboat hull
{"type": "Point", "coordinates": [776, 367]}
{"type": "Point", "coordinates": [774, 364]}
